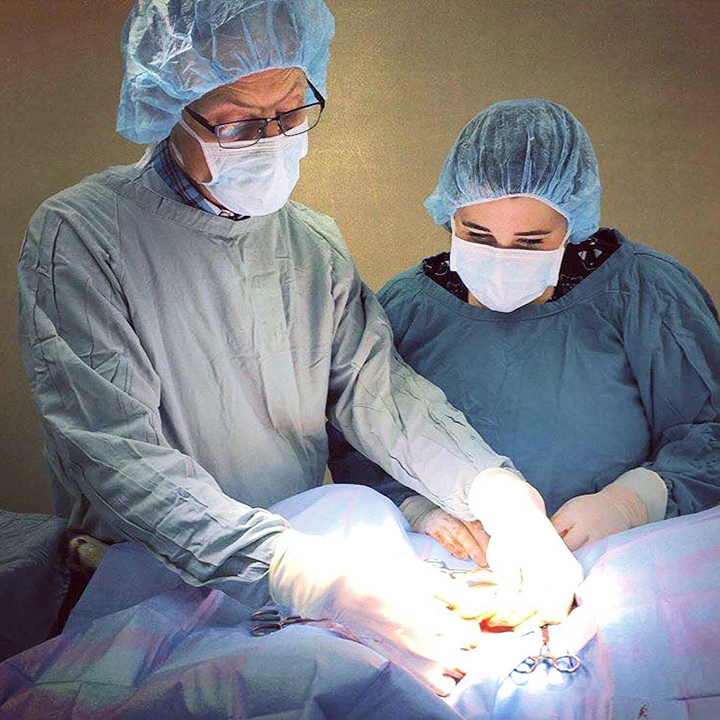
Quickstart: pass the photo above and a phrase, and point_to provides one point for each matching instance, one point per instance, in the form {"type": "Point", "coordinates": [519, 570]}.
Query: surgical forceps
{"type": "Point", "coordinates": [563, 663]}
{"type": "Point", "coordinates": [269, 620]}
{"type": "Point", "coordinates": [482, 576]}
{"type": "Point", "coordinates": [446, 569]}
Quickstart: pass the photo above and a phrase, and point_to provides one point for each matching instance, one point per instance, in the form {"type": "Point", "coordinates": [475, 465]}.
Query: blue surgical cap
{"type": "Point", "coordinates": [529, 147]}
{"type": "Point", "coordinates": [175, 51]}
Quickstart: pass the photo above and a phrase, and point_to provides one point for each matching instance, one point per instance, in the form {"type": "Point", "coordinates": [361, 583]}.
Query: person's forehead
{"type": "Point", "coordinates": [510, 208]}
{"type": "Point", "coordinates": [257, 91]}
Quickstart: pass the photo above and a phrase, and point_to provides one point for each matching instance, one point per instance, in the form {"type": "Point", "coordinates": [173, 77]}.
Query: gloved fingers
{"type": "Point", "coordinates": [552, 604]}
{"type": "Point", "coordinates": [461, 539]}
{"type": "Point", "coordinates": [430, 624]}
{"type": "Point", "coordinates": [483, 576]}
{"type": "Point", "coordinates": [447, 538]}
{"type": "Point", "coordinates": [562, 520]}
{"type": "Point", "coordinates": [457, 632]}
{"type": "Point", "coordinates": [472, 602]}
{"type": "Point", "coordinates": [512, 609]}
{"type": "Point", "coordinates": [570, 529]}
{"type": "Point", "coordinates": [483, 601]}
{"type": "Point", "coordinates": [575, 537]}
{"type": "Point", "coordinates": [479, 554]}
{"type": "Point", "coordinates": [526, 610]}
{"type": "Point", "coordinates": [458, 538]}
{"type": "Point", "coordinates": [512, 618]}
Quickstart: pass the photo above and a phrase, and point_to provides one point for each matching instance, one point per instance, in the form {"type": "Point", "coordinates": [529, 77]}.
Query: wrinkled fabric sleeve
{"type": "Point", "coordinates": [672, 340]}
{"type": "Point", "coordinates": [388, 412]}
{"type": "Point", "coordinates": [348, 465]}
{"type": "Point", "coordinates": [99, 398]}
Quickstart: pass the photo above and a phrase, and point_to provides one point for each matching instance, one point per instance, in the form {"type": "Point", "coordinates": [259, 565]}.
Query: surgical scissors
{"type": "Point", "coordinates": [563, 663]}
{"type": "Point", "coordinates": [269, 620]}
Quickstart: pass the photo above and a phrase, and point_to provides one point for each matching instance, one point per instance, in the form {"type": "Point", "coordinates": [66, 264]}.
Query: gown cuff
{"type": "Point", "coordinates": [415, 509]}
{"type": "Point", "coordinates": [651, 489]}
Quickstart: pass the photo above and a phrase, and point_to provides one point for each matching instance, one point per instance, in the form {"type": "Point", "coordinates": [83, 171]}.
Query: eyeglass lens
{"type": "Point", "coordinates": [293, 122]}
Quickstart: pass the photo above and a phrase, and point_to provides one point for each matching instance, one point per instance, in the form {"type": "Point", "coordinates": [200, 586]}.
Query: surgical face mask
{"type": "Point", "coordinates": [504, 279]}
{"type": "Point", "coordinates": [255, 180]}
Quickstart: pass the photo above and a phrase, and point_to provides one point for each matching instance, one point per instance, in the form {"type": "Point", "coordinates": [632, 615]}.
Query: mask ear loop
{"type": "Point", "coordinates": [177, 155]}
{"type": "Point", "coordinates": [452, 225]}
{"type": "Point", "coordinates": [567, 231]}
{"type": "Point", "coordinates": [188, 129]}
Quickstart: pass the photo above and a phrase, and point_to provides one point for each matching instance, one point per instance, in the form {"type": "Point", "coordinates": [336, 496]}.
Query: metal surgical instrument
{"type": "Point", "coordinates": [445, 568]}
{"type": "Point", "coordinates": [471, 576]}
{"type": "Point", "coordinates": [563, 663]}
{"type": "Point", "coordinates": [269, 620]}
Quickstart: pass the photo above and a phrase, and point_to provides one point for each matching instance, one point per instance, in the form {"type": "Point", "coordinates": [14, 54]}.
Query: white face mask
{"type": "Point", "coordinates": [255, 180]}
{"type": "Point", "coordinates": [504, 279]}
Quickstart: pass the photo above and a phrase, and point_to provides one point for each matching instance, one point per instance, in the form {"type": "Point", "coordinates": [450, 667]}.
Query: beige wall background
{"type": "Point", "coordinates": [642, 75]}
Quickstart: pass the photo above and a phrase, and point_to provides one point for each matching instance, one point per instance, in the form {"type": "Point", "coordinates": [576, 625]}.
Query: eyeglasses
{"type": "Point", "coordinates": [244, 133]}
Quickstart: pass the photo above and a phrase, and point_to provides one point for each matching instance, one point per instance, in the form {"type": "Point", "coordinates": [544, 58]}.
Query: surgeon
{"type": "Point", "coordinates": [187, 330]}
{"type": "Point", "coordinates": [591, 360]}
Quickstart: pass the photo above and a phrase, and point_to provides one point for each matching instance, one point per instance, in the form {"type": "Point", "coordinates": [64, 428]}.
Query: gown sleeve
{"type": "Point", "coordinates": [392, 415]}
{"type": "Point", "coordinates": [99, 398]}
{"type": "Point", "coordinates": [672, 340]}
{"type": "Point", "coordinates": [348, 465]}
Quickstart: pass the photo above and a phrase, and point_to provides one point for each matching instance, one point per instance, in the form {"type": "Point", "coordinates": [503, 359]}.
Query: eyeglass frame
{"type": "Point", "coordinates": [212, 128]}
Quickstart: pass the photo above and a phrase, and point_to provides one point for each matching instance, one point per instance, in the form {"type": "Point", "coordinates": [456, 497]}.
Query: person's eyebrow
{"type": "Point", "coordinates": [525, 233]}
{"type": "Point", "coordinates": [474, 226]}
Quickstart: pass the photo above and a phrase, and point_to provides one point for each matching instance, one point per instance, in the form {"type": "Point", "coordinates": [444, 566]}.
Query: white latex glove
{"type": "Point", "coordinates": [462, 538]}
{"type": "Point", "coordinates": [535, 572]}
{"type": "Point", "coordinates": [388, 602]}
{"type": "Point", "coordinates": [636, 498]}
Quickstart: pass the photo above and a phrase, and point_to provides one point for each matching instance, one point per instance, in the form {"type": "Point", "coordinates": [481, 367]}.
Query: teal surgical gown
{"type": "Point", "coordinates": [184, 366]}
{"type": "Point", "coordinates": [621, 372]}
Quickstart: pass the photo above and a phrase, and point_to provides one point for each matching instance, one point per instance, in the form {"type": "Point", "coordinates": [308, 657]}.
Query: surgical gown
{"type": "Point", "coordinates": [621, 372]}
{"type": "Point", "coordinates": [184, 365]}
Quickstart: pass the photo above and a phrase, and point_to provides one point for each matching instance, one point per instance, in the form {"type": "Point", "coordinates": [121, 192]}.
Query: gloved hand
{"type": "Point", "coordinates": [536, 574]}
{"type": "Point", "coordinates": [387, 602]}
{"type": "Point", "coordinates": [635, 498]}
{"type": "Point", "coordinates": [461, 538]}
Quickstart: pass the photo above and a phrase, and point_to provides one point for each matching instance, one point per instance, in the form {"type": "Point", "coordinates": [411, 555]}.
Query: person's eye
{"type": "Point", "coordinates": [481, 239]}
{"type": "Point", "coordinates": [293, 118]}
{"type": "Point", "coordinates": [242, 131]}
{"type": "Point", "coordinates": [532, 242]}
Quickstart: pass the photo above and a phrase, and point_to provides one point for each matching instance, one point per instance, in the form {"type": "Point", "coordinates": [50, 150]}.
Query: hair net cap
{"type": "Point", "coordinates": [522, 147]}
{"type": "Point", "coordinates": [175, 51]}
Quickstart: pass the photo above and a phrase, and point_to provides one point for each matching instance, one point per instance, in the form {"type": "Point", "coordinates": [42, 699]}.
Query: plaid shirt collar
{"type": "Point", "coordinates": [173, 176]}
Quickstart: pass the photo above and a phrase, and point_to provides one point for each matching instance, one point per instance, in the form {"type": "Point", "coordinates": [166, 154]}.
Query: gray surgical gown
{"type": "Point", "coordinates": [184, 365]}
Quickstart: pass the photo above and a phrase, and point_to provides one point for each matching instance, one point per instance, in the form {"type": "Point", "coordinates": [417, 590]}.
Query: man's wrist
{"type": "Point", "coordinates": [415, 509]}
